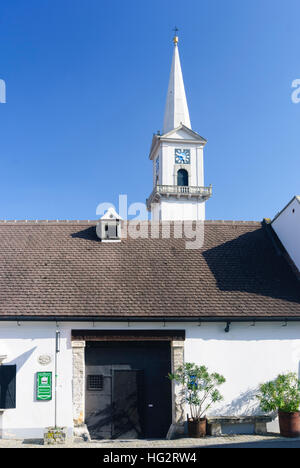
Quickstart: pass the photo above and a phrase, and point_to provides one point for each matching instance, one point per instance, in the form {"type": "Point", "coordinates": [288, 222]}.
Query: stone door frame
{"type": "Point", "coordinates": [78, 357]}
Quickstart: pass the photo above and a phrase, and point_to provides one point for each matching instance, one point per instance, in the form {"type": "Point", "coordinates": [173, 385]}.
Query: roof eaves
{"type": "Point", "coordinates": [199, 319]}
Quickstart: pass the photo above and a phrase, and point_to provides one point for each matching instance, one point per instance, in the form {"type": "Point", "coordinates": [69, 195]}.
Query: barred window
{"type": "Point", "coordinates": [95, 382]}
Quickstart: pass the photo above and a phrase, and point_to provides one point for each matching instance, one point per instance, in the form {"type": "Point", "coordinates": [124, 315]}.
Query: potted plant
{"type": "Point", "coordinates": [199, 390]}
{"type": "Point", "coordinates": [283, 395]}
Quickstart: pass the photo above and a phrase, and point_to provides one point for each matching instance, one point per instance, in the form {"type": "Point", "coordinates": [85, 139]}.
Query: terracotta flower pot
{"type": "Point", "coordinates": [197, 427]}
{"type": "Point", "coordinates": [289, 424]}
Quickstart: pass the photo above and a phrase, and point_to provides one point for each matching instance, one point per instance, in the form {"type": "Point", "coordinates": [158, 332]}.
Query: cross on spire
{"type": "Point", "coordinates": [175, 39]}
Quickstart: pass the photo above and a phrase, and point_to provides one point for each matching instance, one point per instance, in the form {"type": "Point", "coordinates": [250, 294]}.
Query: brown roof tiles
{"type": "Point", "coordinates": [61, 269]}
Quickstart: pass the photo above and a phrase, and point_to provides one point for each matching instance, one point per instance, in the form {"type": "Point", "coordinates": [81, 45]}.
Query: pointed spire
{"type": "Point", "coordinates": [176, 111]}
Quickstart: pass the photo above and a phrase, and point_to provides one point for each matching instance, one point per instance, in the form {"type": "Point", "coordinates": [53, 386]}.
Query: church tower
{"type": "Point", "coordinates": [177, 155]}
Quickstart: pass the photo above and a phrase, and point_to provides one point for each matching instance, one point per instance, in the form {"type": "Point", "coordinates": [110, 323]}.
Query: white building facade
{"type": "Point", "coordinates": [131, 310]}
{"type": "Point", "coordinates": [247, 356]}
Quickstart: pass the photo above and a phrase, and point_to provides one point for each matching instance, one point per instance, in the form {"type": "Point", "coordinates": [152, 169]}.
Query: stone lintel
{"type": "Point", "coordinates": [78, 344]}
{"type": "Point", "coordinates": [177, 344]}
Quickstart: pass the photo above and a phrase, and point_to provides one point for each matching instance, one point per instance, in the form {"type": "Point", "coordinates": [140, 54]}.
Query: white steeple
{"type": "Point", "coordinates": [178, 169]}
{"type": "Point", "coordinates": [176, 111]}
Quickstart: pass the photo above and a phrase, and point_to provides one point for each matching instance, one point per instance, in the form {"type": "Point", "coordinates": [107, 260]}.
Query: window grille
{"type": "Point", "coordinates": [95, 382]}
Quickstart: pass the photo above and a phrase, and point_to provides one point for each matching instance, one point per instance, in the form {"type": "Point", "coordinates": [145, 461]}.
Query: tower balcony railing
{"type": "Point", "coordinates": [178, 191]}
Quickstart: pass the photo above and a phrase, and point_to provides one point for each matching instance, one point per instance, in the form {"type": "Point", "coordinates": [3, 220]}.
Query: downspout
{"type": "Point", "coordinates": [57, 349]}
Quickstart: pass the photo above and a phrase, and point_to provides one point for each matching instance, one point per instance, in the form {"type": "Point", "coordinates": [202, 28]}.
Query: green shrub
{"type": "Point", "coordinates": [199, 387]}
{"type": "Point", "coordinates": [282, 394]}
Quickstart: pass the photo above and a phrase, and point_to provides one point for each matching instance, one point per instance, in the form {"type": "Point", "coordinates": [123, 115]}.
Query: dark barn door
{"type": "Point", "coordinates": [127, 404]}
{"type": "Point", "coordinates": [128, 394]}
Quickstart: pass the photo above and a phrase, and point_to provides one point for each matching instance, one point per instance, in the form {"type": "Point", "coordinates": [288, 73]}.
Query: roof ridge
{"type": "Point", "coordinates": [91, 221]}
{"type": "Point", "coordinates": [229, 221]}
{"type": "Point", "coordinates": [47, 221]}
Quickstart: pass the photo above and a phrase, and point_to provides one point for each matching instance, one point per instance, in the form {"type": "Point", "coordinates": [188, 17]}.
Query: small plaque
{"type": "Point", "coordinates": [44, 359]}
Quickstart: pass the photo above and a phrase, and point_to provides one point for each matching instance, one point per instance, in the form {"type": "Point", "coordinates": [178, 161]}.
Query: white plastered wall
{"type": "Point", "coordinates": [24, 343]}
{"type": "Point", "coordinates": [169, 168]}
{"type": "Point", "coordinates": [246, 356]}
{"type": "Point", "coordinates": [180, 209]}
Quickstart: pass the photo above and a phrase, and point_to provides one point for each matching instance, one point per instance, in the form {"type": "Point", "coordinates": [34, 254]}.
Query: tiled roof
{"type": "Point", "coordinates": [61, 269]}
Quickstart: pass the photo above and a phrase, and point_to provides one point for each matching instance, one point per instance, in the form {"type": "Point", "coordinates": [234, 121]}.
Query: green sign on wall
{"type": "Point", "coordinates": [44, 386]}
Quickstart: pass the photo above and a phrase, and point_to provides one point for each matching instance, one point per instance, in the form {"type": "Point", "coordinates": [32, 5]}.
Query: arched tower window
{"type": "Point", "coordinates": [182, 178]}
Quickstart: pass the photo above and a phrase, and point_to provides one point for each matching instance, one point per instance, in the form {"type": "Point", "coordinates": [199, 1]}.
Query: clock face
{"type": "Point", "coordinates": [182, 156]}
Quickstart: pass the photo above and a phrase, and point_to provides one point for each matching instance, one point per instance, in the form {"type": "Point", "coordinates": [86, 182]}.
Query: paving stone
{"type": "Point", "coordinates": [161, 443]}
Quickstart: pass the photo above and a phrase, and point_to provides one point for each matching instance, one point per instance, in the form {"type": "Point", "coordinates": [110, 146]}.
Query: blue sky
{"type": "Point", "coordinates": [86, 87]}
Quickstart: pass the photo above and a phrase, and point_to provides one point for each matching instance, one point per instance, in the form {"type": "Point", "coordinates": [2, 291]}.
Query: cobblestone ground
{"type": "Point", "coordinates": [272, 441]}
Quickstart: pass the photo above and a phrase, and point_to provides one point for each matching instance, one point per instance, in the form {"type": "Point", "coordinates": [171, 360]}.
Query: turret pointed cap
{"type": "Point", "coordinates": [176, 111]}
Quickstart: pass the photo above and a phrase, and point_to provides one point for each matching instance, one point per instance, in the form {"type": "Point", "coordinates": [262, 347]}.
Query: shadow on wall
{"type": "Point", "coordinates": [21, 359]}
{"type": "Point", "coordinates": [246, 404]}
{"type": "Point", "coordinates": [251, 264]}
